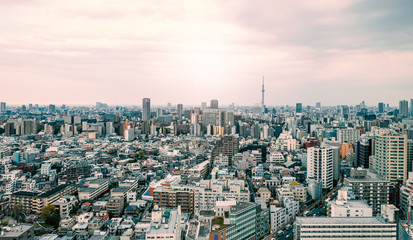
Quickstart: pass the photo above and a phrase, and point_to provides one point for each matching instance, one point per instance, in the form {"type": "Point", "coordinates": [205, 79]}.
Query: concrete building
{"type": "Point", "coordinates": [180, 110]}
{"type": "Point", "coordinates": [19, 232]}
{"type": "Point", "coordinates": [146, 109]}
{"type": "Point", "coordinates": [115, 205]}
{"type": "Point", "coordinates": [227, 146]}
{"type": "Point", "coordinates": [242, 221]}
{"type": "Point", "coordinates": [362, 152]}
{"type": "Point", "coordinates": [309, 228]}
{"type": "Point", "coordinates": [390, 156]}
{"type": "Point", "coordinates": [95, 188]}
{"type": "Point", "coordinates": [165, 224]}
{"type": "Point", "coordinates": [207, 192]}
{"type": "Point", "coordinates": [369, 186]}
{"type": "Point", "coordinates": [350, 135]}
{"type": "Point", "coordinates": [174, 196]}
{"type": "Point", "coordinates": [278, 217]}
{"type": "Point", "coordinates": [320, 165]}
{"type": "Point", "coordinates": [403, 108]}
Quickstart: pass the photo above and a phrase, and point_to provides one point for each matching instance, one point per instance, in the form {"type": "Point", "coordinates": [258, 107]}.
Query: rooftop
{"type": "Point", "coordinates": [323, 221]}
{"type": "Point", "coordinates": [16, 231]}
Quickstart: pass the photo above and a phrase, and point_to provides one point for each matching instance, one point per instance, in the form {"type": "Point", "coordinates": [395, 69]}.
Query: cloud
{"type": "Point", "coordinates": [190, 51]}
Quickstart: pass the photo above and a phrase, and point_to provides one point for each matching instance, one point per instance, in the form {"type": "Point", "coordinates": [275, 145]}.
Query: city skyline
{"type": "Point", "coordinates": [333, 52]}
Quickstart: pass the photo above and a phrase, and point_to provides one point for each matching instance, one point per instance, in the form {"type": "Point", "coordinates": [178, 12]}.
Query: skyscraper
{"type": "Point", "coordinates": [180, 109]}
{"type": "Point", "coordinates": [2, 107]}
{"type": "Point", "coordinates": [298, 107]}
{"type": "Point", "coordinates": [381, 107]}
{"type": "Point", "coordinates": [318, 105]}
{"type": "Point", "coordinates": [214, 104]}
{"type": "Point", "coordinates": [363, 153]}
{"type": "Point", "coordinates": [320, 165]}
{"type": "Point", "coordinates": [411, 107]}
{"type": "Point", "coordinates": [403, 108]}
{"type": "Point", "coordinates": [146, 109]}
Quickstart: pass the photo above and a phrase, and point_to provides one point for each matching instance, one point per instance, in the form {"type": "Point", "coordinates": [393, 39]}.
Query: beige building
{"type": "Point", "coordinates": [299, 191]}
{"type": "Point", "coordinates": [389, 156]}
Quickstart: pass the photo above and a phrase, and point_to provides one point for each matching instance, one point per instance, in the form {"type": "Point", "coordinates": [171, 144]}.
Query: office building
{"type": "Point", "coordinates": [350, 135]}
{"type": "Point", "coordinates": [309, 228]}
{"type": "Point", "coordinates": [214, 104]}
{"type": "Point", "coordinates": [180, 110]}
{"type": "Point", "coordinates": [381, 107]}
{"type": "Point", "coordinates": [95, 189]}
{"type": "Point", "coordinates": [298, 107]}
{"type": "Point", "coordinates": [320, 165]}
{"type": "Point", "coordinates": [3, 107]}
{"type": "Point", "coordinates": [174, 196]}
{"type": "Point", "coordinates": [363, 152]}
{"type": "Point", "coordinates": [369, 186]}
{"type": "Point", "coordinates": [146, 109]}
{"type": "Point", "coordinates": [390, 156]}
{"type": "Point", "coordinates": [411, 107]}
{"type": "Point", "coordinates": [403, 108]}
{"type": "Point", "coordinates": [239, 221]}
{"type": "Point", "coordinates": [226, 146]}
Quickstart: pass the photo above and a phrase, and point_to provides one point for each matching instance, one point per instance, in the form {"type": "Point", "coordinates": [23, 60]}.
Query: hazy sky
{"type": "Point", "coordinates": [120, 51]}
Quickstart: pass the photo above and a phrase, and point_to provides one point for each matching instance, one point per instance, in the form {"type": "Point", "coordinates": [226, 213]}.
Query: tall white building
{"type": "Point", "coordinates": [350, 135]}
{"type": "Point", "coordinates": [129, 134]}
{"type": "Point", "coordinates": [320, 165]}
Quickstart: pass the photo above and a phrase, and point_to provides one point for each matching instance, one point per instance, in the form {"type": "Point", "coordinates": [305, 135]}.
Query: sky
{"type": "Point", "coordinates": [190, 51]}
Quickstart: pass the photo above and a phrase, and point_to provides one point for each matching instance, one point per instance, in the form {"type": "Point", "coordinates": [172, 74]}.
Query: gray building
{"type": "Point", "coordinates": [20, 232]}
{"type": "Point", "coordinates": [381, 107]}
{"type": "Point", "coordinates": [403, 108]}
{"type": "Point", "coordinates": [146, 109]}
{"type": "Point", "coordinates": [344, 228]}
{"type": "Point", "coordinates": [369, 186]}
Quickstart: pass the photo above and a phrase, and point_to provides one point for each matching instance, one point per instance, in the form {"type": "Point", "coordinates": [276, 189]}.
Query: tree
{"type": "Point", "coordinates": [17, 209]}
{"type": "Point", "coordinates": [50, 215]}
{"type": "Point", "coordinates": [5, 223]}
{"type": "Point", "coordinates": [141, 153]}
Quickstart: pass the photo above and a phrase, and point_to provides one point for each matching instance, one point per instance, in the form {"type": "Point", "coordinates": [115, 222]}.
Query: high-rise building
{"type": "Point", "coordinates": [320, 165]}
{"type": "Point", "coordinates": [298, 107]}
{"type": "Point", "coordinates": [390, 156]}
{"type": "Point", "coordinates": [52, 108]}
{"type": "Point", "coordinates": [381, 107]}
{"type": "Point", "coordinates": [403, 108]}
{"type": "Point", "coordinates": [362, 153]}
{"type": "Point", "coordinates": [214, 104]}
{"type": "Point", "coordinates": [203, 105]}
{"type": "Point", "coordinates": [180, 110]}
{"type": "Point", "coordinates": [411, 107]}
{"type": "Point", "coordinates": [2, 107]}
{"type": "Point", "coordinates": [318, 105]}
{"type": "Point", "coordinates": [369, 186]}
{"type": "Point", "coordinates": [227, 146]}
{"type": "Point", "coordinates": [146, 109]}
